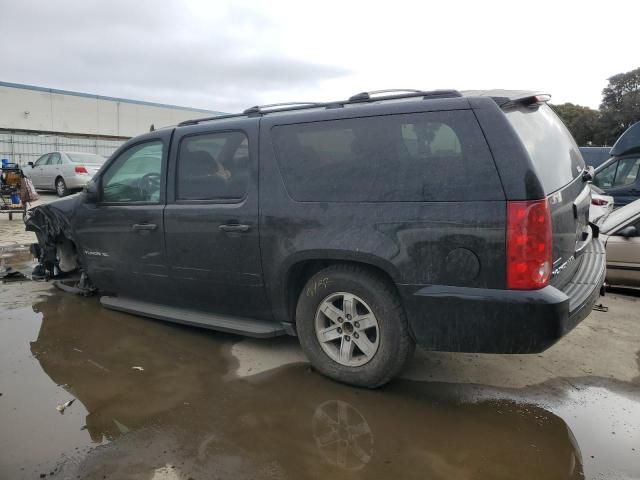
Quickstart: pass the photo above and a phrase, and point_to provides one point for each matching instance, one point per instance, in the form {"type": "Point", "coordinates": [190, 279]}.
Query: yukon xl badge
{"type": "Point", "coordinates": [95, 253]}
{"type": "Point", "coordinates": [563, 266]}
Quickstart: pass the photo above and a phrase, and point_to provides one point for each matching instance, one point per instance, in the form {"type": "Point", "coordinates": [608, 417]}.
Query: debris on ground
{"type": "Point", "coordinates": [63, 406]}
{"type": "Point", "coordinates": [600, 308]}
{"type": "Point", "coordinates": [9, 273]}
{"type": "Point", "coordinates": [140, 369]}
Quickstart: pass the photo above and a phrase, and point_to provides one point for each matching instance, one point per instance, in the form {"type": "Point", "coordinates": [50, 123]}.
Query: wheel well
{"type": "Point", "coordinates": [57, 178]}
{"type": "Point", "coordinates": [302, 271]}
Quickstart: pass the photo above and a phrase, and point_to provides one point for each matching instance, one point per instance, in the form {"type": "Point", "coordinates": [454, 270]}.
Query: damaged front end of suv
{"type": "Point", "coordinates": [56, 251]}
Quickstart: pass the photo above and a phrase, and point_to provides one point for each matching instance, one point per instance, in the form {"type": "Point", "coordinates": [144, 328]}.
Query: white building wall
{"type": "Point", "coordinates": [46, 110]}
{"type": "Point", "coordinates": [25, 148]}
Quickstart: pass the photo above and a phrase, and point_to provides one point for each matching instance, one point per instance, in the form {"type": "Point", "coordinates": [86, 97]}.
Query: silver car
{"type": "Point", "coordinates": [621, 235]}
{"type": "Point", "coordinates": [63, 171]}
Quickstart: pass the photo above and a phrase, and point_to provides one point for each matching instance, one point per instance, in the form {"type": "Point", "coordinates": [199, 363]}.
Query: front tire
{"type": "Point", "coordinates": [61, 187]}
{"type": "Point", "coordinates": [352, 326]}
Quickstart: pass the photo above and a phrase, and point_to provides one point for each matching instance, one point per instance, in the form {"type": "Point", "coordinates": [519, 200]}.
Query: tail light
{"type": "Point", "coordinates": [81, 169]}
{"type": "Point", "coordinates": [601, 202]}
{"type": "Point", "coordinates": [529, 244]}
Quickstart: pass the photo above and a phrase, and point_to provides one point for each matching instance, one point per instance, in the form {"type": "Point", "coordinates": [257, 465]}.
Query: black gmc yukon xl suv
{"type": "Point", "coordinates": [458, 222]}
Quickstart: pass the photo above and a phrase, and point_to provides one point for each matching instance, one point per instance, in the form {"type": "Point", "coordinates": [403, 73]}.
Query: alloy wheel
{"type": "Point", "coordinates": [347, 329]}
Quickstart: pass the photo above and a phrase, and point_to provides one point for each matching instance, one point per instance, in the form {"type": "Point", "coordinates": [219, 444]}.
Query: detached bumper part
{"type": "Point", "coordinates": [462, 319]}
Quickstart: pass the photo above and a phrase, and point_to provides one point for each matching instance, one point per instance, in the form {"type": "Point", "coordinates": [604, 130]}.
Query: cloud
{"type": "Point", "coordinates": [225, 60]}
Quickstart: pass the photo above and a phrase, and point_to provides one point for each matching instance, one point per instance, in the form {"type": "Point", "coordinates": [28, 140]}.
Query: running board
{"type": "Point", "coordinates": [222, 323]}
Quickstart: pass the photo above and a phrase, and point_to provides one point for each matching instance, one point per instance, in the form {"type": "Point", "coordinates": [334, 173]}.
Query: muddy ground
{"type": "Point", "coordinates": [153, 400]}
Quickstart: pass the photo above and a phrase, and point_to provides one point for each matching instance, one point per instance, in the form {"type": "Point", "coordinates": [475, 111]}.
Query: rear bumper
{"type": "Point", "coordinates": [463, 319]}
{"type": "Point", "coordinates": [77, 181]}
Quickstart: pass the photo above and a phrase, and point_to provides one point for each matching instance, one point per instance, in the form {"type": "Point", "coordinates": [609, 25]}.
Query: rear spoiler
{"type": "Point", "coordinates": [507, 98]}
{"type": "Point", "coordinates": [527, 101]}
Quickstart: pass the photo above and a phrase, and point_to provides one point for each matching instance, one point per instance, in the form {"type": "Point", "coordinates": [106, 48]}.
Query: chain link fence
{"type": "Point", "coordinates": [22, 148]}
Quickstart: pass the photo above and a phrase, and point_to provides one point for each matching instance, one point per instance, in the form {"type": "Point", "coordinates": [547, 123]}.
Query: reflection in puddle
{"type": "Point", "coordinates": [342, 435]}
{"type": "Point", "coordinates": [184, 415]}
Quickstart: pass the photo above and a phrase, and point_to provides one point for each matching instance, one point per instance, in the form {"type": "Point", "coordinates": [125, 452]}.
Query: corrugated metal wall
{"type": "Point", "coordinates": [23, 148]}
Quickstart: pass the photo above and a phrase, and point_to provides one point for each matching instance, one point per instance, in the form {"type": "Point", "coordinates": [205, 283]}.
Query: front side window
{"type": "Point", "coordinates": [213, 166]}
{"type": "Point", "coordinates": [431, 156]}
{"type": "Point", "coordinates": [604, 178]}
{"type": "Point", "coordinates": [42, 160]}
{"type": "Point", "coordinates": [135, 176]}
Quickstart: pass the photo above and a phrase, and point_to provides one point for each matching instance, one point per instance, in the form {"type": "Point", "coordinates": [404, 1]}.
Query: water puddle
{"type": "Point", "coordinates": [185, 413]}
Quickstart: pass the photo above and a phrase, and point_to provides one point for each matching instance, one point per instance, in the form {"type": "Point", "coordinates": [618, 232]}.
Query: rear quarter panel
{"type": "Point", "coordinates": [415, 243]}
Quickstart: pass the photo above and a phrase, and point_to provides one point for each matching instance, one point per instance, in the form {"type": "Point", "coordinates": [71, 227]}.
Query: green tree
{"type": "Point", "coordinates": [620, 107]}
{"type": "Point", "coordinates": [582, 122]}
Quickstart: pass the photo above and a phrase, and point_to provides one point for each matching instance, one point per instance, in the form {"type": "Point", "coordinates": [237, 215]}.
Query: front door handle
{"type": "Point", "coordinates": [235, 227]}
{"type": "Point", "coordinates": [144, 226]}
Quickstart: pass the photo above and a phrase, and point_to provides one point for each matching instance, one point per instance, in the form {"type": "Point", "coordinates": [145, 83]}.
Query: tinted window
{"type": "Point", "coordinates": [213, 166]}
{"type": "Point", "coordinates": [550, 145]}
{"type": "Point", "coordinates": [439, 156]}
{"type": "Point", "coordinates": [135, 176]}
{"type": "Point", "coordinates": [627, 172]}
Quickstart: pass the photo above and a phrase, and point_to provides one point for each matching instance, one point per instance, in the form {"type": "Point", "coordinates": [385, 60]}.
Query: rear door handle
{"type": "Point", "coordinates": [144, 226]}
{"type": "Point", "coordinates": [235, 227]}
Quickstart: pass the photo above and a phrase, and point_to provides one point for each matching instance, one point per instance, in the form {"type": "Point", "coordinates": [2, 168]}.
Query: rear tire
{"type": "Point", "coordinates": [61, 187]}
{"type": "Point", "coordinates": [352, 326]}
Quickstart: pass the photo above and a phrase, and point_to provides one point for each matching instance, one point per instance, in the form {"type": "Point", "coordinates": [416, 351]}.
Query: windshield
{"type": "Point", "coordinates": [89, 158]}
{"type": "Point", "coordinates": [550, 145]}
{"type": "Point", "coordinates": [620, 215]}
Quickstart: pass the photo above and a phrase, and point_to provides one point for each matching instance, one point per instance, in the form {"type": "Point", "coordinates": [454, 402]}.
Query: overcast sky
{"type": "Point", "coordinates": [228, 55]}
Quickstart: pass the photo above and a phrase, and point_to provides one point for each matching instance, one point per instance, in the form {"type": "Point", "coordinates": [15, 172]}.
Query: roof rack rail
{"type": "Point", "coordinates": [397, 93]}
{"type": "Point", "coordinates": [368, 96]}
{"type": "Point", "coordinates": [260, 109]}
{"type": "Point", "coordinates": [363, 96]}
{"type": "Point", "coordinates": [196, 121]}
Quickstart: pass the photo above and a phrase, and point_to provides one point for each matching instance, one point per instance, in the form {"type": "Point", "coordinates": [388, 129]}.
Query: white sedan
{"type": "Point", "coordinates": [601, 205]}
{"type": "Point", "coordinates": [63, 171]}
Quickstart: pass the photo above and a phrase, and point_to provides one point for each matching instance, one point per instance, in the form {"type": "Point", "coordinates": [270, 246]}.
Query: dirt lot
{"type": "Point", "coordinates": [159, 401]}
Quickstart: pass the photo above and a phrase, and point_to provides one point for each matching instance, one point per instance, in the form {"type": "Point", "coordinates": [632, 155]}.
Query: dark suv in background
{"type": "Point", "coordinates": [620, 175]}
{"type": "Point", "coordinates": [455, 221]}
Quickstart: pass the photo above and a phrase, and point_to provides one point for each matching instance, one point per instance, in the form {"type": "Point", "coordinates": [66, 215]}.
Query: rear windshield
{"type": "Point", "coordinates": [550, 145]}
{"type": "Point", "coordinates": [86, 158]}
{"type": "Point", "coordinates": [431, 156]}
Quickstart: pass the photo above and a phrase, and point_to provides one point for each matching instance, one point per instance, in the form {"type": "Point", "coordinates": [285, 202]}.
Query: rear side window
{"type": "Point", "coordinates": [551, 147]}
{"type": "Point", "coordinates": [432, 156]}
{"type": "Point", "coordinates": [213, 166]}
{"type": "Point", "coordinates": [54, 159]}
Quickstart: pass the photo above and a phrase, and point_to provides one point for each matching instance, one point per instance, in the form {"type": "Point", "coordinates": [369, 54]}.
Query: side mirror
{"type": "Point", "coordinates": [92, 192]}
{"type": "Point", "coordinates": [31, 164]}
{"type": "Point", "coordinates": [629, 232]}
